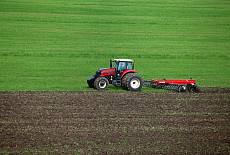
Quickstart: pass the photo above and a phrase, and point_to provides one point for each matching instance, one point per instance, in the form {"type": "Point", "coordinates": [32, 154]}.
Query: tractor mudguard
{"type": "Point", "coordinates": [128, 71]}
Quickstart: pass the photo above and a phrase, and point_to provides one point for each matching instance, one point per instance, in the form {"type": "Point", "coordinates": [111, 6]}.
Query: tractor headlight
{"type": "Point", "coordinates": [98, 72]}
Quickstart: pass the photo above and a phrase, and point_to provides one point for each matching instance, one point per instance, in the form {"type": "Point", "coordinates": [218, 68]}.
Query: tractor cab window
{"type": "Point", "coordinates": [129, 65]}
{"type": "Point", "coordinates": [122, 66]}
{"type": "Point", "coordinates": [115, 65]}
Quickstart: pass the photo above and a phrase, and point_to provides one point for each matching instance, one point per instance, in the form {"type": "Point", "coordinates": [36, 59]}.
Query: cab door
{"type": "Point", "coordinates": [122, 66]}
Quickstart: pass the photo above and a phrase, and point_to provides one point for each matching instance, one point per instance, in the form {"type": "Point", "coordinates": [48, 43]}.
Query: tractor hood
{"type": "Point", "coordinates": [99, 70]}
{"type": "Point", "coordinates": [105, 72]}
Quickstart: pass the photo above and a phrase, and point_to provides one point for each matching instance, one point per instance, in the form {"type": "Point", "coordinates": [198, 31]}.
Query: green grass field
{"type": "Point", "coordinates": [58, 44]}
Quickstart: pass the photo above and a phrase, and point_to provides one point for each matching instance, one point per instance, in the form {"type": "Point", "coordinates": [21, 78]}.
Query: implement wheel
{"type": "Point", "coordinates": [191, 88]}
{"type": "Point", "coordinates": [134, 82]}
{"type": "Point", "coordinates": [101, 83]}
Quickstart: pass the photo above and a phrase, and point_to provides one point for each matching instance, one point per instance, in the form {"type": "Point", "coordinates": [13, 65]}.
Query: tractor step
{"type": "Point", "coordinates": [117, 82]}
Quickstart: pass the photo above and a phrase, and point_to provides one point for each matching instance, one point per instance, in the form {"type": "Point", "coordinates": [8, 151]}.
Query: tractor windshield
{"type": "Point", "coordinates": [124, 65]}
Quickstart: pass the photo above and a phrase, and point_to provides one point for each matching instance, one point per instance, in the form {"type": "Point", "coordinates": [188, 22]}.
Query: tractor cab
{"type": "Point", "coordinates": [121, 65]}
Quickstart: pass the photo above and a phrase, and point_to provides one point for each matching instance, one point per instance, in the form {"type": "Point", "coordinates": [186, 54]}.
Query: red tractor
{"type": "Point", "coordinates": [120, 73]}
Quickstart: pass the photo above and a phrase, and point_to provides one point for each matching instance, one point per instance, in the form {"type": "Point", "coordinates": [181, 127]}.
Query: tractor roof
{"type": "Point", "coordinates": [127, 60]}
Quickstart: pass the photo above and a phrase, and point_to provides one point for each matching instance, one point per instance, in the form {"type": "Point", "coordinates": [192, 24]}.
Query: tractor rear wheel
{"type": "Point", "coordinates": [125, 78]}
{"type": "Point", "coordinates": [134, 82]}
{"type": "Point", "coordinates": [101, 83]}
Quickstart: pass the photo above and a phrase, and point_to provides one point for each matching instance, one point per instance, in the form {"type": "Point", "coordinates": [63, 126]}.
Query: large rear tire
{"type": "Point", "coordinates": [125, 78]}
{"type": "Point", "coordinates": [101, 83]}
{"type": "Point", "coordinates": [134, 82]}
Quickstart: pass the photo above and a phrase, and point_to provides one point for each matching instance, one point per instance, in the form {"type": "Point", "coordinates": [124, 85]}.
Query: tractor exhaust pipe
{"type": "Point", "coordinates": [111, 63]}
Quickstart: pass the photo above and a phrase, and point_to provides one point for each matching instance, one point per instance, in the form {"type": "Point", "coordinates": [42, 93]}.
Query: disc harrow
{"type": "Point", "coordinates": [174, 85]}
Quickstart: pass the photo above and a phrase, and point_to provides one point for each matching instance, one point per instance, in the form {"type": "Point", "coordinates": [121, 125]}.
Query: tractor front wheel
{"type": "Point", "coordinates": [101, 83]}
{"type": "Point", "coordinates": [134, 82]}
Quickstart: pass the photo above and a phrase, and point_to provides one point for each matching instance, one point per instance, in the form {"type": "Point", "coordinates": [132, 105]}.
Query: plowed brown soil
{"type": "Point", "coordinates": [115, 122]}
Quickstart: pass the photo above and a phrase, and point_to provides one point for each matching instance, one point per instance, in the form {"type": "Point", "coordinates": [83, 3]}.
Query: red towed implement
{"type": "Point", "coordinates": [176, 85]}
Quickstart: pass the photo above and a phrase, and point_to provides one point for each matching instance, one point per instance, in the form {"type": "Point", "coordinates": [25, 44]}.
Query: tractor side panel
{"type": "Point", "coordinates": [108, 72]}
